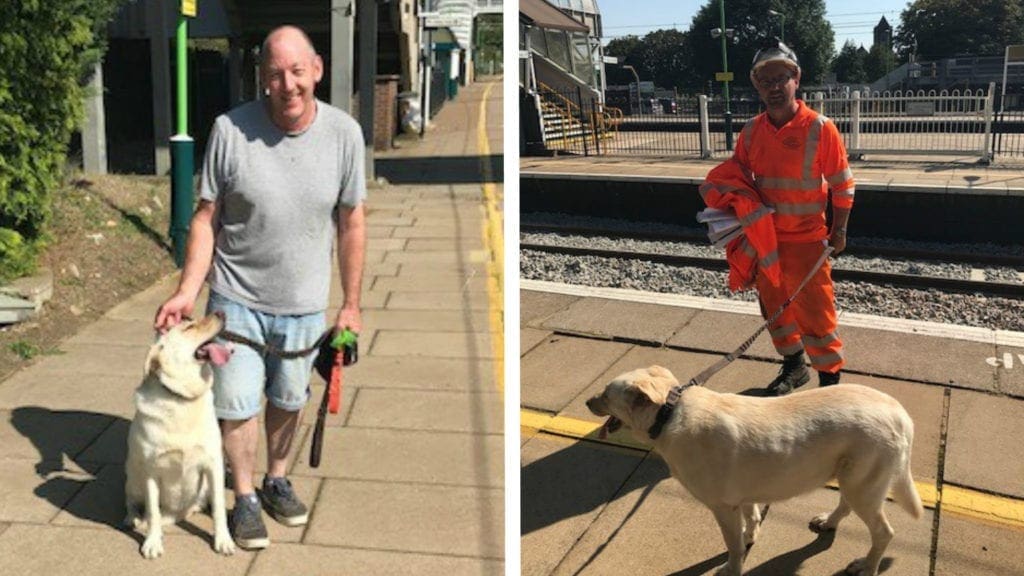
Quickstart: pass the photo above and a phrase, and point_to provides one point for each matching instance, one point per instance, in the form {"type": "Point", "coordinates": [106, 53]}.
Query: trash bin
{"type": "Point", "coordinates": [410, 116]}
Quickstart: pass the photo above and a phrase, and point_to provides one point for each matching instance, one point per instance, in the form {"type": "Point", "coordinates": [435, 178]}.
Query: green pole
{"type": "Point", "coordinates": [182, 165]}
{"type": "Point", "coordinates": [725, 88]}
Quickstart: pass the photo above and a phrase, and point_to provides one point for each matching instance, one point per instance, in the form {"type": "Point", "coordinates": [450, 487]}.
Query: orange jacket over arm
{"type": "Point", "coordinates": [793, 167]}
{"type": "Point", "coordinates": [729, 186]}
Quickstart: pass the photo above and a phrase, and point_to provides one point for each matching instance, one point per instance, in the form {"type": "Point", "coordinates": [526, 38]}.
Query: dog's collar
{"type": "Point", "coordinates": [665, 412]}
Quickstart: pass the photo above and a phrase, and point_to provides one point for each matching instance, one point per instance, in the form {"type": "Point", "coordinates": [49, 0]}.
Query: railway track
{"type": "Point", "coordinates": [949, 257]}
{"type": "Point", "coordinates": [915, 281]}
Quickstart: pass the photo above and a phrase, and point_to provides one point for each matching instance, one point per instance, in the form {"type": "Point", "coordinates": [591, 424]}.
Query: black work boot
{"type": "Point", "coordinates": [828, 378]}
{"type": "Point", "coordinates": [793, 375]}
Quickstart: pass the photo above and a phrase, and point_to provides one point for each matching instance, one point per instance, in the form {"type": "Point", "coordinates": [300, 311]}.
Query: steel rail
{"type": "Point", "coordinates": [890, 278]}
{"type": "Point", "coordinates": [853, 250]}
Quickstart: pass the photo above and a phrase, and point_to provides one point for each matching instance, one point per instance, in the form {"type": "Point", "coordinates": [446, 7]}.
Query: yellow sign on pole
{"type": "Point", "coordinates": [188, 8]}
{"type": "Point", "coordinates": [723, 76]}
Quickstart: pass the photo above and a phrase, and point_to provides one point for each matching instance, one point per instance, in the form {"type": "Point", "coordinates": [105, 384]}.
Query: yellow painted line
{"type": "Point", "coordinates": [493, 244]}
{"type": "Point", "coordinates": [955, 500]}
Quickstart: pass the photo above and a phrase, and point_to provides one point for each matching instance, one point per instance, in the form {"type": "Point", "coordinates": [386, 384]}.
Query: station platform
{"type": "Point", "coordinates": [593, 506]}
{"type": "Point", "coordinates": [412, 473]}
{"type": "Point", "coordinates": [935, 175]}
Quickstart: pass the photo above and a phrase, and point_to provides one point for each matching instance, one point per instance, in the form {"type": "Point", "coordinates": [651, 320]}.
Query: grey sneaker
{"type": "Point", "coordinates": [247, 524]}
{"type": "Point", "coordinates": [281, 502]}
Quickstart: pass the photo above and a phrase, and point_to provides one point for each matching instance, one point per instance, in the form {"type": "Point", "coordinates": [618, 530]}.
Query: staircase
{"type": "Point", "coordinates": [566, 127]}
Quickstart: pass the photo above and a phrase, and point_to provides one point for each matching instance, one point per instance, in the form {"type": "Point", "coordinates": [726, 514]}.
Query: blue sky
{"type": "Point", "coordinates": [850, 20]}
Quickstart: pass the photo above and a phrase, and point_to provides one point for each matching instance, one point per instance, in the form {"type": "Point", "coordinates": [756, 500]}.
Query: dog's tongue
{"type": "Point", "coordinates": [218, 354]}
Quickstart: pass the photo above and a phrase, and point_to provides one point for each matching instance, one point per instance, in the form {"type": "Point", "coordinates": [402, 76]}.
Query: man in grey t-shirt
{"type": "Point", "coordinates": [282, 178]}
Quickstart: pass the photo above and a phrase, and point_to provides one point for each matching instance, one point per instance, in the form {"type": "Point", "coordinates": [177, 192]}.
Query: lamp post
{"type": "Point", "coordinates": [725, 33]}
{"type": "Point", "coordinates": [637, 76]}
{"type": "Point", "coordinates": [782, 24]}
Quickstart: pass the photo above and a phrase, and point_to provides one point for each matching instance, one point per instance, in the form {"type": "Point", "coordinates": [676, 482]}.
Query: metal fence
{"type": "Point", "coordinates": [955, 123]}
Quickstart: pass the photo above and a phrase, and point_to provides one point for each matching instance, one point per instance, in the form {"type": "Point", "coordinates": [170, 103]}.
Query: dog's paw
{"type": "Point", "coordinates": [820, 523]}
{"type": "Point", "coordinates": [750, 535]}
{"type": "Point", "coordinates": [859, 568]}
{"type": "Point", "coordinates": [224, 545]}
{"type": "Point", "coordinates": [153, 547]}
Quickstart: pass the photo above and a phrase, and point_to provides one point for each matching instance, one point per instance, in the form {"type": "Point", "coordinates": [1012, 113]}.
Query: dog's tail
{"type": "Point", "coordinates": [904, 492]}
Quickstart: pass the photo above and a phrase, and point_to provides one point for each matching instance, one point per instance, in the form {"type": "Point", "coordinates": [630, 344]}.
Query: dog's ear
{"type": "Point", "coordinates": [152, 365]}
{"type": "Point", "coordinates": [647, 393]}
{"type": "Point", "coordinates": [661, 371]}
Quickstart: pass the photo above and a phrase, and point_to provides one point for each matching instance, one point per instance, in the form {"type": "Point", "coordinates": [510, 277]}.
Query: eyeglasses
{"type": "Point", "coordinates": [770, 83]}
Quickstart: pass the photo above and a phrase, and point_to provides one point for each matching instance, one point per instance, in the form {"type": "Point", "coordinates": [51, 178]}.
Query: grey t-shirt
{"type": "Point", "coordinates": [278, 197]}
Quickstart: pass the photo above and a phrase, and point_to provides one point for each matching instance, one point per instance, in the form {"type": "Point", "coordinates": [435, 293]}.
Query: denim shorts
{"type": "Point", "coordinates": [240, 384]}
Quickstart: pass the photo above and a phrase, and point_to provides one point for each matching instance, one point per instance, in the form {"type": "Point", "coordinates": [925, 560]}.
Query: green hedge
{"type": "Point", "coordinates": [47, 47]}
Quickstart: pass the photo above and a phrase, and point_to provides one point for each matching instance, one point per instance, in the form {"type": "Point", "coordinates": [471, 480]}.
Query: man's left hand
{"type": "Point", "coordinates": [351, 318]}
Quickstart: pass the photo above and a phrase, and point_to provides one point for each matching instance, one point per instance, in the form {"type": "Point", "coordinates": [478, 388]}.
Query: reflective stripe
{"type": "Point", "coordinates": [839, 177]}
{"type": "Point", "coordinates": [820, 342]}
{"type": "Point", "coordinates": [748, 250]}
{"type": "Point", "coordinates": [754, 216]}
{"type": "Point", "coordinates": [848, 193]}
{"type": "Point", "coordinates": [798, 208]}
{"type": "Point", "coordinates": [770, 182]}
{"type": "Point", "coordinates": [825, 359]}
{"type": "Point", "coordinates": [746, 134]}
{"type": "Point", "coordinates": [790, 350]}
{"type": "Point", "coordinates": [770, 259]}
{"type": "Point", "coordinates": [705, 188]}
{"type": "Point", "coordinates": [811, 148]}
{"type": "Point", "coordinates": [725, 189]}
{"type": "Point", "coordinates": [782, 331]}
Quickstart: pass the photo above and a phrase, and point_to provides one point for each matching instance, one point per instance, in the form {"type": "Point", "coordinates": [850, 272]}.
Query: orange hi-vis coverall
{"type": "Point", "coordinates": [793, 167]}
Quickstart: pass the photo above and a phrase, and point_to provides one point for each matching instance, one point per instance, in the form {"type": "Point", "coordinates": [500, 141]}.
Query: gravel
{"type": "Point", "coordinates": [932, 305]}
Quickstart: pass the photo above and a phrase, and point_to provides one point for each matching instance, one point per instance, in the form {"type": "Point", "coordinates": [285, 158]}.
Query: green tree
{"type": "Point", "coordinates": [947, 28]}
{"type": "Point", "coordinates": [46, 49]}
{"type": "Point", "coordinates": [664, 57]}
{"type": "Point", "coordinates": [849, 64]}
{"type": "Point", "coordinates": [807, 32]}
{"type": "Point", "coordinates": [879, 62]}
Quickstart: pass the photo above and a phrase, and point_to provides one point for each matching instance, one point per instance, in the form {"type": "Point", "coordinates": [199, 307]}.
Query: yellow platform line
{"type": "Point", "coordinates": [493, 246]}
{"type": "Point", "coordinates": [955, 500]}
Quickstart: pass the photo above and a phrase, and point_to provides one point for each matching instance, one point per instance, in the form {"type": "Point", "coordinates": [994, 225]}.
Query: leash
{"type": "Point", "coordinates": [270, 349]}
{"type": "Point", "coordinates": [673, 396]}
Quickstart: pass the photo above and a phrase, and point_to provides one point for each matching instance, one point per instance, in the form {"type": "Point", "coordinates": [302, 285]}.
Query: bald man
{"type": "Point", "coordinates": [283, 177]}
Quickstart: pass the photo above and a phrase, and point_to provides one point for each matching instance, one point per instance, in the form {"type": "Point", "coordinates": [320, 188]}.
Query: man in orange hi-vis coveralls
{"type": "Point", "coordinates": [795, 156]}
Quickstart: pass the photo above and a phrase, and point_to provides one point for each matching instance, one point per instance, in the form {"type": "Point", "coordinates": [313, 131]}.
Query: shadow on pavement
{"type": "Point", "coordinates": [577, 480]}
{"type": "Point", "coordinates": [441, 169]}
{"type": "Point", "coordinates": [93, 489]}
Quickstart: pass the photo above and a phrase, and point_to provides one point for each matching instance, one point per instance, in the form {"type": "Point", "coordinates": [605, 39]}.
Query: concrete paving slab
{"type": "Point", "coordinates": [328, 561]}
{"type": "Point", "coordinates": [421, 518]}
{"type": "Point", "coordinates": [450, 458]}
{"type": "Point", "coordinates": [348, 397]}
{"type": "Point", "coordinates": [564, 487]}
{"type": "Point", "coordinates": [983, 449]}
{"type": "Point", "coordinates": [438, 301]}
{"type": "Point", "coordinates": [1010, 373]}
{"type": "Point", "coordinates": [33, 432]}
{"type": "Point", "coordinates": [449, 268]}
{"type": "Point", "coordinates": [112, 395]}
{"type": "Point", "coordinates": [78, 360]}
{"type": "Point", "coordinates": [555, 371]}
{"type": "Point", "coordinates": [423, 372]}
{"type": "Point", "coordinates": [35, 549]}
{"type": "Point", "coordinates": [442, 244]}
{"type": "Point", "coordinates": [723, 332]}
{"type": "Point", "coordinates": [534, 307]}
{"type": "Point", "coordinates": [369, 300]}
{"type": "Point", "coordinates": [528, 338]}
{"type": "Point", "coordinates": [471, 255]}
{"type": "Point", "coordinates": [921, 358]}
{"type": "Point", "coordinates": [111, 446]}
{"type": "Point", "coordinates": [391, 218]}
{"type": "Point", "coordinates": [969, 547]}
{"type": "Point", "coordinates": [28, 497]}
{"type": "Point", "coordinates": [143, 305]}
{"type": "Point", "coordinates": [377, 232]}
{"type": "Point", "coordinates": [437, 344]}
{"type": "Point", "coordinates": [468, 228]}
{"type": "Point", "coordinates": [115, 332]}
{"type": "Point", "coordinates": [432, 410]}
{"type": "Point", "coordinates": [609, 318]}
{"type": "Point", "coordinates": [433, 283]}
{"type": "Point", "coordinates": [427, 320]}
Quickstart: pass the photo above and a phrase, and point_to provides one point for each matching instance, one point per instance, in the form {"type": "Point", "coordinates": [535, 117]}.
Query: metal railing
{"type": "Point", "coordinates": [954, 123]}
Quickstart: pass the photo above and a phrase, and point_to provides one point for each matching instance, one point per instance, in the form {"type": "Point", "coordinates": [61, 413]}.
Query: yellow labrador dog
{"type": "Point", "coordinates": [734, 452]}
{"type": "Point", "coordinates": [175, 464]}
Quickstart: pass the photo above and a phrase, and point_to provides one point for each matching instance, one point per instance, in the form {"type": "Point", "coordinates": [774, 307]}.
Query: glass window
{"type": "Point", "coordinates": [582, 66]}
{"type": "Point", "coordinates": [558, 48]}
{"type": "Point", "coordinates": [537, 40]}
